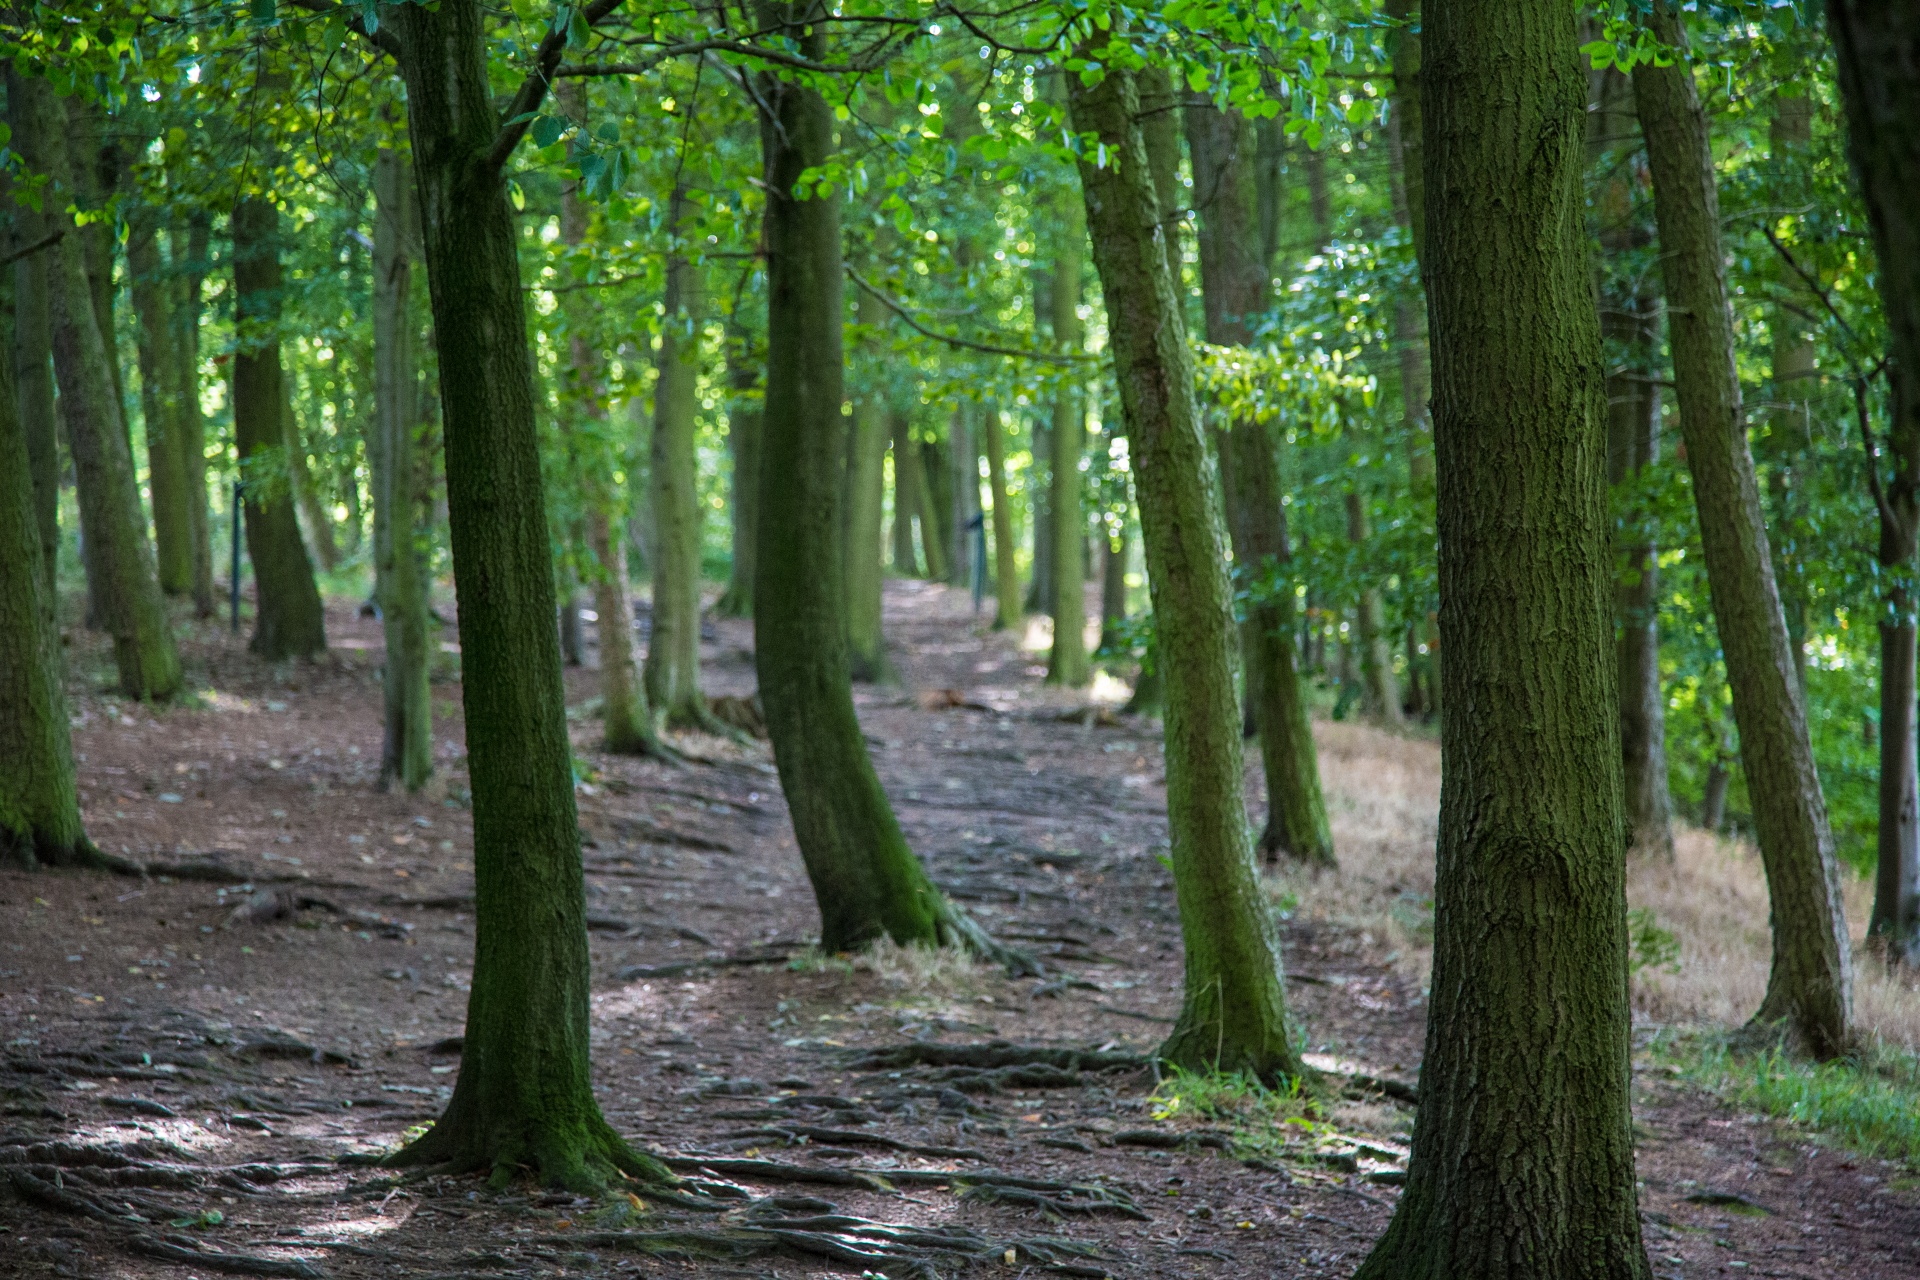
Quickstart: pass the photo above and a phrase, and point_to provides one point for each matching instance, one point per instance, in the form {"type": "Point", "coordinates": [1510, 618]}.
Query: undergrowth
{"type": "Point", "coordinates": [1262, 1120]}
{"type": "Point", "coordinates": [1869, 1105]}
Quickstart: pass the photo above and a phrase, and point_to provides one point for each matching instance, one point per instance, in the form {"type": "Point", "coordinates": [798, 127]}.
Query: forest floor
{"type": "Point", "coordinates": [187, 1058]}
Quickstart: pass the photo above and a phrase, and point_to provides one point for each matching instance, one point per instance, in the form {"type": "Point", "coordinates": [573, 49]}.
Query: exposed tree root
{"type": "Point", "coordinates": [634, 972]}
{"type": "Point", "coordinates": [1041, 1193]}
{"type": "Point", "coordinates": [991, 1055]}
{"type": "Point", "coordinates": [1173, 1139]}
{"type": "Point", "coordinates": [953, 927]}
{"type": "Point", "coordinates": [794, 1133]}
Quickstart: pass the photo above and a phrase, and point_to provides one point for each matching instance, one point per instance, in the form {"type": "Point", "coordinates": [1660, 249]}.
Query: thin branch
{"type": "Point", "coordinates": [1885, 508]}
{"type": "Point", "coordinates": [1813, 283]}
{"type": "Point", "coordinates": [32, 249]}
{"type": "Point", "coordinates": [967, 344]}
{"type": "Point", "coordinates": [382, 39]}
{"type": "Point", "coordinates": [533, 89]}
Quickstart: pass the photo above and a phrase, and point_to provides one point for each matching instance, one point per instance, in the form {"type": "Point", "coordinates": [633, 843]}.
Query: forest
{"type": "Point", "coordinates": [922, 638]}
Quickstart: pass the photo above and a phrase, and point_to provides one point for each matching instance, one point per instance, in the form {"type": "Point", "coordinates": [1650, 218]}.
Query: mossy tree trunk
{"type": "Point", "coordinates": [289, 620]}
{"type": "Point", "coordinates": [1067, 663]}
{"type": "Point", "coordinates": [1006, 575]}
{"type": "Point", "coordinates": [866, 881]}
{"type": "Point", "coordinates": [1522, 1162]}
{"type": "Point", "coordinates": [39, 803]}
{"type": "Point", "coordinates": [673, 653]}
{"type": "Point", "coordinates": [1039, 489]}
{"type": "Point", "coordinates": [743, 449]}
{"type": "Point", "coordinates": [1236, 292]}
{"type": "Point", "coordinates": [33, 361]}
{"type": "Point", "coordinates": [904, 557]}
{"type": "Point", "coordinates": [910, 473]}
{"type": "Point", "coordinates": [119, 559]}
{"type": "Point", "coordinates": [864, 494]}
{"type": "Point", "coordinates": [1810, 985]}
{"type": "Point", "coordinates": [399, 496]}
{"type": "Point", "coordinates": [963, 456]}
{"type": "Point", "coordinates": [1234, 1014]}
{"type": "Point", "coordinates": [937, 516]}
{"type": "Point", "coordinates": [523, 1102]}
{"type": "Point", "coordinates": [1875, 46]}
{"type": "Point", "coordinates": [191, 258]}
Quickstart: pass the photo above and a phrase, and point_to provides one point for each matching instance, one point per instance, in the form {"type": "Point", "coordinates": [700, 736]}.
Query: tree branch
{"type": "Point", "coordinates": [899, 309]}
{"type": "Point", "coordinates": [32, 249]}
{"type": "Point", "coordinates": [533, 90]}
{"type": "Point", "coordinates": [382, 39]}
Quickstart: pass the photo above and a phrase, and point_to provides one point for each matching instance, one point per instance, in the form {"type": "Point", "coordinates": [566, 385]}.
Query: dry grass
{"type": "Point", "coordinates": [1383, 796]}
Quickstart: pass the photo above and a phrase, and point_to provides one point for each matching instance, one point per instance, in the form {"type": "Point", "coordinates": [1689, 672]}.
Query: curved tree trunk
{"type": "Point", "coordinates": [524, 1101]}
{"type": "Point", "coordinates": [1006, 576]}
{"type": "Point", "coordinates": [1810, 986]}
{"type": "Point", "coordinates": [399, 500]}
{"type": "Point", "coordinates": [1875, 46]}
{"type": "Point", "coordinates": [1236, 291]}
{"type": "Point", "coordinates": [289, 620]}
{"type": "Point", "coordinates": [1522, 1161]}
{"type": "Point", "coordinates": [866, 881]}
{"type": "Point", "coordinates": [673, 652]}
{"type": "Point", "coordinates": [118, 556]}
{"type": "Point", "coordinates": [1234, 1014]}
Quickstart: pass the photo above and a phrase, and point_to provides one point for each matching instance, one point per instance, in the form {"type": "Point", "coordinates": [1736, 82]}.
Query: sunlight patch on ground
{"type": "Point", "coordinates": [1106, 689]}
{"type": "Point", "coordinates": [188, 1135]}
{"type": "Point", "coordinates": [635, 1000]}
{"type": "Point", "coordinates": [1038, 636]}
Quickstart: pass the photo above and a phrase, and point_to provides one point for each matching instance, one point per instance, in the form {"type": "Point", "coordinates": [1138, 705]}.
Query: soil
{"type": "Point", "coordinates": [189, 1057]}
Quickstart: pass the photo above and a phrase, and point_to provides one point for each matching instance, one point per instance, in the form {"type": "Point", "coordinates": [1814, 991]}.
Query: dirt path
{"type": "Point", "coordinates": [193, 1082]}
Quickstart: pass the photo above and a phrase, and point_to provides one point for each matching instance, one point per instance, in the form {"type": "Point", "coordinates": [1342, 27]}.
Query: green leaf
{"type": "Point", "coordinates": [1599, 53]}
{"type": "Point", "coordinates": [370, 15]}
{"type": "Point", "coordinates": [265, 12]}
{"type": "Point", "coordinates": [578, 32]}
{"type": "Point", "coordinates": [608, 132]}
{"type": "Point", "coordinates": [546, 131]}
{"type": "Point", "coordinates": [1197, 80]}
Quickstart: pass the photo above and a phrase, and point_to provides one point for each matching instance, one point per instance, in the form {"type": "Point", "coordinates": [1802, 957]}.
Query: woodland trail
{"type": "Point", "coordinates": [187, 1059]}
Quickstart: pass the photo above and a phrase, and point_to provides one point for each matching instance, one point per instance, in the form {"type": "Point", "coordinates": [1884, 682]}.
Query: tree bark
{"type": "Point", "coordinates": [1039, 489]}
{"type": "Point", "coordinates": [1067, 663]}
{"type": "Point", "coordinates": [1006, 576]}
{"type": "Point", "coordinates": [963, 455]}
{"type": "Point", "coordinates": [1113, 587]}
{"type": "Point", "coordinates": [523, 1102]}
{"type": "Point", "coordinates": [1810, 986]}
{"type": "Point", "coordinates": [1234, 1015]}
{"type": "Point", "coordinates": [159, 406]}
{"type": "Point", "coordinates": [313, 510]}
{"type": "Point", "coordinates": [866, 881]}
{"type": "Point", "coordinates": [118, 557]}
{"type": "Point", "coordinates": [39, 803]}
{"type": "Point", "coordinates": [33, 364]}
{"type": "Point", "coordinates": [865, 495]}
{"type": "Point", "coordinates": [906, 495]}
{"type": "Point", "coordinates": [1875, 46]}
{"type": "Point", "coordinates": [743, 448]}
{"type": "Point", "coordinates": [1236, 291]}
{"type": "Point", "coordinates": [289, 620]}
{"type": "Point", "coordinates": [910, 474]}
{"type": "Point", "coordinates": [193, 439]}
{"type": "Point", "coordinates": [1376, 655]}
{"type": "Point", "coordinates": [399, 497]}
{"type": "Point", "coordinates": [1522, 1162]}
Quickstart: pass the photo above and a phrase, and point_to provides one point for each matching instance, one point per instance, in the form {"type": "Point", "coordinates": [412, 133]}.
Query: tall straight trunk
{"type": "Point", "coordinates": [963, 453]}
{"type": "Point", "coordinates": [39, 803]}
{"type": "Point", "coordinates": [119, 558]}
{"type": "Point", "coordinates": [313, 509]}
{"type": "Point", "coordinates": [289, 620]}
{"type": "Point", "coordinates": [1234, 1014]}
{"type": "Point", "coordinates": [1113, 586]}
{"type": "Point", "coordinates": [1796, 376]}
{"type": "Point", "coordinates": [159, 406]}
{"type": "Point", "coordinates": [673, 652]}
{"type": "Point", "coordinates": [1875, 45]}
{"type": "Point", "coordinates": [1376, 655]}
{"type": "Point", "coordinates": [33, 369]}
{"type": "Point", "coordinates": [1629, 322]}
{"type": "Point", "coordinates": [865, 495]}
{"type": "Point", "coordinates": [573, 635]}
{"type": "Point", "coordinates": [866, 881]}
{"type": "Point", "coordinates": [524, 1101]}
{"type": "Point", "coordinates": [96, 166]}
{"type": "Point", "coordinates": [743, 449]}
{"type": "Point", "coordinates": [1810, 985]}
{"type": "Point", "coordinates": [1006, 577]}
{"type": "Point", "coordinates": [399, 497]}
{"type": "Point", "coordinates": [1040, 507]}
{"type": "Point", "coordinates": [935, 514]}
{"type": "Point", "coordinates": [1236, 291]}
{"type": "Point", "coordinates": [906, 494]}
{"type": "Point", "coordinates": [1522, 1162]}
{"type": "Point", "coordinates": [910, 464]}
{"type": "Point", "coordinates": [1067, 664]}
{"type": "Point", "coordinates": [192, 265]}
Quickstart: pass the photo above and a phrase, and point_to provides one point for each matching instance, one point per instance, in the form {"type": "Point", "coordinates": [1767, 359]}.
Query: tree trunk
{"type": "Point", "coordinates": [963, 452]}
{"type": "Point", "coordinates": [524, 1101]}
{"type": "Point", "coordinates": [673, 652]}
{"type": "Point", "coordinates": [743, 448]}
{"type": "Point", "coordinates": [1875, 45]}
{"type": "Point", "coordinates": [910, 467]}
{"type": "Point", "coordinates": [193, 439]}
{"type": "Point", "coordinates": [1236, 292]}
{"type": "Point", "coordinates": [312, 503]}
{"type": "Point", "coordinates": [865, 496]}
{"type": "Point", "coordinates": [159, 406]}
{"type": "Point", "coordinates": [1810, 986]}
{"type": "Point", "coordinates": [1234, 1014]}
{"type": "Point", "coordinates": [289, 620]}
{"type": "Point", "coordinates": [937, 510]}
{"type": "Point", "coordinates": [1039, 490]}
{"type": "Point", "coordinates": [1796, 377]}
{"type": "Point", "coordinates": [866, 881]}
{"type": "Point", "coordinates": [1113, 587]}
{"type": "Point", "coordinates": [1522, 1162]}
{"type": "Point", "coordinates": [118, 556]}
{"type": "Point", "coordinates": [39, 804]}
{"type": "Point", "coordinates": [1376, 656]}
{"type": "Point", "coordinates": [1006, 577]}
{"type": "Point", "coordinates": [399, 498]}
{"type": "Point", "coordinates": [573, 635]}
{"type": "Point", "coordinates": [33, 367]}
{"type": "Point", "coordinates": [1067, 664]}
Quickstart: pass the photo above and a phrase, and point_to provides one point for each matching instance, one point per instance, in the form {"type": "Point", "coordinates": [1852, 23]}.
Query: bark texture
{"type": "Point", "coordinates": [193, 264]}
{"type": "Point", "coordinates": [865, 494]}
{"type": "Point", "coordinates": [1234, 1015]}
{"type": "Point", "coordinates": [1237, 292]}
{"type": "Point", "coordinates": [289, 620]}
{"type": "Point", "coordinates": [1006, 576]}
{"type": "Point", "coordinates": [1810, 985]}
{"type": "Point", "coordinates": [124, 584]}
{"type": "Point", "coordinates": [33, 357]}
{"type": "Point", "coordinates": [523, 1103]}
{"type": "Point", "coordinates": [160, 408]}
{"type": "Point", "coordinates": [1067, 663]}
{"type": "Point", "coordinates": [1522, 1162]}
{"type": "Point", "coordinates": [1878, 51]}
{"type": "Point", "coordinates": [743, 449]}
{"type": "Point", "coordinates": [673, 653]}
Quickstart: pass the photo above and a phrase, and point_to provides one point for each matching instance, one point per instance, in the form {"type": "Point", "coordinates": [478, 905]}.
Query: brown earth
{"type": "Point", "coordinates": [187, 1058]}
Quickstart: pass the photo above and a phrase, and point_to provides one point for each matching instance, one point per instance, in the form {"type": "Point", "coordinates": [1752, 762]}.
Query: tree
{"type": "Point", "coordinates": [160, 409]}
{"type": "Point", "coordinates": [1234, 1013]}
{"type": "Point", "coordinates": [1006, 576]}
{"type": "Point", "coordinates": [120, 565]}
{"type": "Point", "coordinates": [1522, 1160]}
{"type": "Point", "coordinates": [1237, 291]}
{"type": "Point", "coordinates": [1067, 663]}
{"type": "Point", "coordinates": [743, 449]}
{"type": "Point", "coordinates": [289, 619]}
{"type": "Point", "coordinates": [33, 365]}
{"type": "Point", "coordinates": [192, 266]}
{"type": "Point", "coordinates": [864, 493]}
{"type": "Point", "coordinates": [1810, 985]}
{"type": "Point", "coordinates": [867, 882]}
{"type": "Point", "coordinates": [399, 488]}
{"type": "Point", "coordinates": [523, 1101]}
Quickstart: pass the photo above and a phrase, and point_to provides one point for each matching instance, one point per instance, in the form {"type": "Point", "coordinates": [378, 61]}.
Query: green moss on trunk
{"type": "Point", "coordinates": [673, 654]}
{"type": "Point", "coordinates": [1067, 663]}
{"type": "Point", "coordinates": [1006, 575]}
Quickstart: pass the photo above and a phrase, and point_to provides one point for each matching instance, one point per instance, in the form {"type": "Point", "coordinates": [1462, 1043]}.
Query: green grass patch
{"type": "Point", "coordinates": [1263, 1121]}
{"type": "Point", "coordinates": [1870, 1105]}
